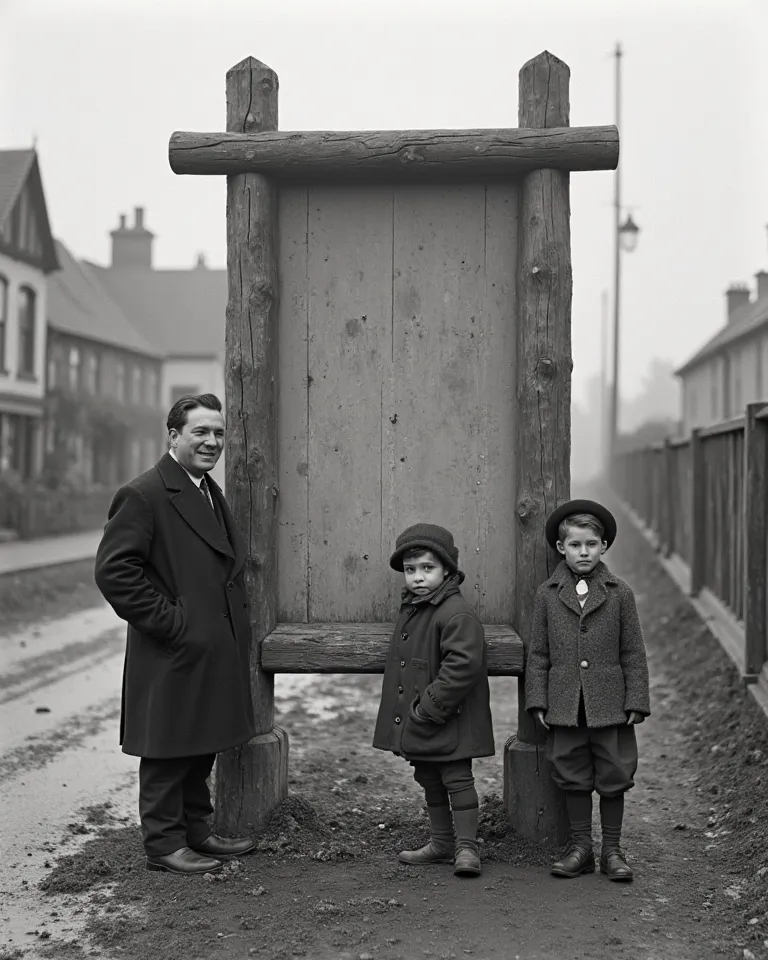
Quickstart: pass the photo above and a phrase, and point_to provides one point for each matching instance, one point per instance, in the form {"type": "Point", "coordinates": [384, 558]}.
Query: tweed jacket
{"type": "Point", "coordinates": [598, 651]}
{"type": "Point", "coordinates": [437, 659]}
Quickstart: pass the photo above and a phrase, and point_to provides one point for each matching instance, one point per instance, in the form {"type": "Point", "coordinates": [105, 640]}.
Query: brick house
{"type": "Point", "coordinates": [731, 369]}
{"type": "Point", "coordinates": [181, 312]}
{"type": "Point", "coordinates": [27, 261]}
{"type": "Point", "coordinates": [104, 416]}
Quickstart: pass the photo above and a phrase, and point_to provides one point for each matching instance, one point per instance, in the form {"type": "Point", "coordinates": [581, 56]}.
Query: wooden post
{"type": "Point", "coordinates": [755, 544]}
{"type": "Point", "coordinates": [544, 284]}
{"type": "Point", "coordinates": [251, 780]}
{"type": "Point", "coordinates": [668, 500]}
{"type": "Point", "coordinates": [698, 512]}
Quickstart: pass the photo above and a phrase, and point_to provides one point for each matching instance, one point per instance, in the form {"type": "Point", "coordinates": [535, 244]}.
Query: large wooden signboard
{"type": "Point", "coordinates": [398, 350]}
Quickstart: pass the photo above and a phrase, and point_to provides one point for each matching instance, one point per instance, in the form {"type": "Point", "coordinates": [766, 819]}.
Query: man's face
{"type": "Point", "coordinates": [582, 549]}
{"type": "Point", "coordinates": [199, 443]}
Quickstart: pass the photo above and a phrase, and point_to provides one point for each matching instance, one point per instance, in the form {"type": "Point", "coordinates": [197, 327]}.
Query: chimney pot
{"type": "Point", "coordinates": [201, 261]}
{"type": "Point", "coordinates": [139, 214]}
{"type": "Point", "coordinates": [122, 221]}
{"type": "Point", "coordinates": [737, 296]}
{"type": "Point", "coordinates": [762, 284]}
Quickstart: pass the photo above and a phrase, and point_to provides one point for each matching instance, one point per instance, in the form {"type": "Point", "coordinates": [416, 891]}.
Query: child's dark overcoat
{"type": "Point", "coordinates": [437, 657]}
{"type": "Point", "coordinates": [598, 651]}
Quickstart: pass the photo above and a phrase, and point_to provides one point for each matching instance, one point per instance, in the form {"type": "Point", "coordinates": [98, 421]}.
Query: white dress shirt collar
{"type": "Point", "coordinates": [196, 480]}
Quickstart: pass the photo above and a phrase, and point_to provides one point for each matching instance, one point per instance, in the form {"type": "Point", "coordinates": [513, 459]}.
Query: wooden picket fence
{"type": "Point", "coordinates": [703, 500]}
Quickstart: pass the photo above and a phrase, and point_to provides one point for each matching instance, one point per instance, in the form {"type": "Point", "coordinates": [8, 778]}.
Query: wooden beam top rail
{"type": "Point", "coordinates": [362, 648]}
{"type": "Point", "coordinates": [727, 426]}
{"type": "Point", "coordinates": [679, 441]}
{"type": "Point", "coordinates": [762, 413]}
{"type": "Point", "coordinates": [322, 155]}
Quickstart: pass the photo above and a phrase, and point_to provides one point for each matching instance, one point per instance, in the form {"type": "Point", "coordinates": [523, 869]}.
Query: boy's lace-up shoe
{"type": "Point", "coordinates": [467, 860]}
{"type": "Point", "coordinates": [614, 865]}
{"type": "Point", "coordinates": [431, 852]}
{"type": "Point", "coordinates": [576, 861]}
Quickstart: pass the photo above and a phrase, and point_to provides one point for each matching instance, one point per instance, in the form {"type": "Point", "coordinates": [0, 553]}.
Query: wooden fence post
{"type": "Point", "coordinates": [698, 512]}
{"type": "Point", "coordinates": [668, 505]}
{"type": "Point", "coordinates": [755, 544]}
{"type": "Point", "coordinates": [544, 283]}
{"type": "Point", "coordinates": [251, 780]}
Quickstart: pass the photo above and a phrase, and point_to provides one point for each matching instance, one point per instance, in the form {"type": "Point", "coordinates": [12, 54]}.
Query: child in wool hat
{"type": "Point", "coordinates": [435, 699]}
{"type": "Point", "coordinates": [586, 681]}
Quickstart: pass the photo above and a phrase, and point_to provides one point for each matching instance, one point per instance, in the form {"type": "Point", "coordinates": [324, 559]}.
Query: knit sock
{"type": "Point", "coordinates": [578, 803]}
{"type": "Point", "coordinates": [611, 817]}
{"type": "Point", "coordinates": [464, 804]}
{"type": "Point", "coordinates": [441, 825]}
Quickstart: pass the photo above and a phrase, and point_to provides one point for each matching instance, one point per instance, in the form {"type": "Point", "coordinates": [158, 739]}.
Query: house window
{"type": "Point", "coordinates": [3, 320]}
{"type": "Point", "coordinates": [714, 411]}
{"type": "Point", "coordinates": [120, 381]}
{"type": "Point", "coordinates": [27, 302]}
{"type": "Point", "coordinates": [152, 388]}
{"type": "Point", "coordinates": [92, 373]}
{"type": "Point", "coordinates": [737, 386]}
{"type": "Point", "coordinates": [74, 368]}
{"type": "Point", "coordinates": [692, 406]}
{"type": "Point", "coordinates": [136, 397]}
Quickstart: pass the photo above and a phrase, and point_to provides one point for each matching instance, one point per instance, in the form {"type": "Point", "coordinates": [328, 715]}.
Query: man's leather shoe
{"type": "Point", "coordinates": [184, 861]}
{"type": "Point", "coordinates": [578, 860]}
{"type": "Point", "coordinates": [613, 864]}
{"type": "Point", "coordinates": [214, 846]}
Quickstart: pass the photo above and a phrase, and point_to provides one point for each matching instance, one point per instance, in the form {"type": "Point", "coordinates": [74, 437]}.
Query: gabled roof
{"type": "Point", "coordinates": [747, 320]}
{"type": "Point", "coordinates": [79, 305]}
{"type": "Point", "coordinates": [17, 169]}
{"type": "Point", "coordinates": [182, 312]}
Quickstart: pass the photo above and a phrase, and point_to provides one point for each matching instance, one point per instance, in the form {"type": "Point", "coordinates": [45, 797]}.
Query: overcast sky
{"type": "Point", "coordinates": [102, 85]}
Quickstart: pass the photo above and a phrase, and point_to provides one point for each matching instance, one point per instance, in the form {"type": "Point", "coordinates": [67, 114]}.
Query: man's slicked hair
{"type": "Point", "coordinates": [179, 412]}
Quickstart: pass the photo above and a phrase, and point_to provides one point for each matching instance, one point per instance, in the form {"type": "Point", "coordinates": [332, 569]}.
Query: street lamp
{"type": "Point", "coordinates": [628, 232]}
{"type": "Point", "coordinates": [625, 239]}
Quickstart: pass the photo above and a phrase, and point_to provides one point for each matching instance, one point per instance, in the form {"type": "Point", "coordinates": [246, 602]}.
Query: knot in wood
{"type": "Point", "coordinates": [411, 155]}
{"type": "Point", "coordinates": [545, 368]}
{"type": "Point", "coordinates": [526, 508]}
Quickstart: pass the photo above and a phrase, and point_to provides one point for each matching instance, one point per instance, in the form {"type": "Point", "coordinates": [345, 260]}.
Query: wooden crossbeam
{"type": "Point", "coordinates": [321, 156]}
{"type": "Point", "coordinates": [362, 648]}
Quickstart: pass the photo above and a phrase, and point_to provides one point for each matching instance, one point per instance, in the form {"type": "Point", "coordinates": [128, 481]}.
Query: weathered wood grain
{"type": "Point", "coordinates": [349, 276]}
{"type": "Point", "coordinates": [252, 779]}
{"type": "Point", "coordinates": [341, 156]}
{"type": "Point", "coordinates": [755, 525]}
{"type": "Point", "coordinates": [293, 407]}
{"type": "Point", "coordinates": [544, 288]}
{"type": "Point", "coordinates": [401, 381]}
{"type": "Point", "coordinates": [362, 648]}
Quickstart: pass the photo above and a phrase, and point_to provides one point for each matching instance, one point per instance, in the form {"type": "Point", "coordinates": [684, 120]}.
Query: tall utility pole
{"type": "Point", "coordinates": [614, 405]}
{"type": "Point", "coordinates": [604, 412]}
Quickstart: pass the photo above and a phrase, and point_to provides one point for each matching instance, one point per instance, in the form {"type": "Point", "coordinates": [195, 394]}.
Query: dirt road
{"type": "Point", "coordinates": [325, 882]}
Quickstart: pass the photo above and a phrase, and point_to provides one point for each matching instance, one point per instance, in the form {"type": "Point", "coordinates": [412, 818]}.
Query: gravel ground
{"type": "Point", "coordinates": [324, 881]}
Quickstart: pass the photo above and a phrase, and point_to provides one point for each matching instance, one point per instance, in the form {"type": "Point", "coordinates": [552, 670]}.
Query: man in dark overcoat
{"type": "Point", "coordinates": [170, 563]}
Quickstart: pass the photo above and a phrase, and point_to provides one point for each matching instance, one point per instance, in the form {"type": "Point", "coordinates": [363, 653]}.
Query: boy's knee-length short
{"type": "Point", "coordinates": [593, 758]}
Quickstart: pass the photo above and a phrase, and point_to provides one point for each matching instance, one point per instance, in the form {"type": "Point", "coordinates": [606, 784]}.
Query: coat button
{"type": "Point", "coordinates": [585, 663]}
{"type": "Point", "coordinates": [225, 615]}
{"type": "Point", "coordinates": [399, 689]}
{"type": "Point", "coordinates": [397, 719]}
{"type": "Point", "coordinates": [403, 636]}
{"type": "Point", "coordinates": [402, 663]}
{"type": "Point", "coordinates": [230, 585]}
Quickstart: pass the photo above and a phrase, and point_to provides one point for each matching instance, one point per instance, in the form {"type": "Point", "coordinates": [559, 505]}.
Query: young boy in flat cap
{"type": "Point", "coordinates": [435, 700]}
{"type": "Point", "coordinates": [586, 681]}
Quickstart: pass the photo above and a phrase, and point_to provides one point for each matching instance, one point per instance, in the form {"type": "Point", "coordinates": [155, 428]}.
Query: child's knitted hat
{"type": "Point", "coordinates": [429, 537]}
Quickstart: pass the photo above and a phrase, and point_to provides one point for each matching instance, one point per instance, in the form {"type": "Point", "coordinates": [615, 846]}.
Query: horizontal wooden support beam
{"type": "Point", "coordinates": [362, 648]}
{"type": "Point", "coordinates": [322, 156]}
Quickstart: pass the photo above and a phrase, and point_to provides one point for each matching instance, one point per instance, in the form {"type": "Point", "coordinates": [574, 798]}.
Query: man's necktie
{"type": "Point", "coordinates": [206, 493]}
